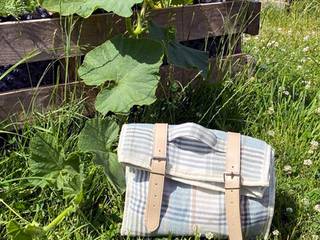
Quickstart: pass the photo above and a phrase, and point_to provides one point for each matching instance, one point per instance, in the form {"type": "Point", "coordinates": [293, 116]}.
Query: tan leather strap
{"type": "Point", "coordinates": [157, 175]}
{"type": "Point", "coordinates": [232, 181]}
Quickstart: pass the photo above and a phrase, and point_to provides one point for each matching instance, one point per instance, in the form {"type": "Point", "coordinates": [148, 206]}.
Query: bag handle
{"type": "Point", "coordinates": [194, 131]}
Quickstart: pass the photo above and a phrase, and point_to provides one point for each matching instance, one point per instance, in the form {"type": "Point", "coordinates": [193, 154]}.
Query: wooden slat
{"type": "Point", "coordinates": [212, 19]}
{"type": "Point", "coordinates": [17, 105]}
{"type": "Point", "coordinates": [18, 39]}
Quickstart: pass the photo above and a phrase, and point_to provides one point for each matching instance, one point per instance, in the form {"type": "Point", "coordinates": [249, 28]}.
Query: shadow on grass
{"type": "Point", "coordinates": [286, 215]}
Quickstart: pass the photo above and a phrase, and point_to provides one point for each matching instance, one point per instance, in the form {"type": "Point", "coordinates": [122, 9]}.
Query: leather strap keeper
{"type": "Point", "coordinates": [232, 181]}
{"type": "Point", "coordinates": [157, 176]}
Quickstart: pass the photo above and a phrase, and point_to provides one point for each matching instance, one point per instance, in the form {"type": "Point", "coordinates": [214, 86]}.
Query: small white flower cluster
{"type": "Point", "coordinates": [317, 208]}
{"type": "Point", "coordinates": [307, 162]}
{"type": "Point", "coordinates": [314, 145]}
{"type": "Point", "coordinates": [209, 235]}
{"type": "Point", "coordinates": [284, 91]}
{"type": "Point", "coordinates": [307, 84]}
{"type": "Point", "coordinates": [289, 210]}
{"type": "Point", "coordinates": [306, 38]}
{"type": "Point", "coordinates": [270, 111]}
{"type": "Point", "coordinates": [273, 44]}
{"type": "Point", "coordinates": [287, 169]}
{"type": "Point", "coordinates": [271, 133]}
{"type": "Point", "coordinates": [276, 232]}
{"type": "Point", "coordinates": [317, 111]}
{"type": "Point", "coordinates": [306, 49]}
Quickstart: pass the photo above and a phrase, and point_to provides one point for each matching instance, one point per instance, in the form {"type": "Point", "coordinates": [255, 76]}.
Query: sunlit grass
{"type": "Point", "coordinates": [279, 103]}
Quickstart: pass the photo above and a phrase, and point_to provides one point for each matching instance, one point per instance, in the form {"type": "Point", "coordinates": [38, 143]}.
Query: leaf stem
{"type": "Point", "coordinates": [59, 218]}
{"type": "Point", "coordinates": [12, 210]}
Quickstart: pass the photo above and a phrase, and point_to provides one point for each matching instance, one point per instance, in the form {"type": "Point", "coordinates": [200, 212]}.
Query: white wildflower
{"type": "Point", "coordinates": [318, 110]}
{"type": "Point", "coordinates": [287, 169]}
{"type": "Point", "coordinates": [299, 67]}
{"type": "Point", "coordinates": [308, 85]}
{"type": "Point", "coordinates": [310, 151]}
{"type": "Point", "coordinates": [304, 60]}
{"type": "Point", "coordinates": [270, 133]}
{"type": "Point", "coordinates": [286, 93]}
{"type": "Point", "coordinates": [270, 110]}
{"type": "Point", "coordinates": [209, 235]}
{"type": "Point", "coordinates": [306, 201]}
{"type": "Point", "coordinates": [289, 210]}
{"type": "Point", "coordinates": [275, 232]}
{"type": "Point", "coordinates": [307, 162]}
{"type": "Point", "coordinates": [280, 29]}
{"type": "Point", "coordinates": [306, 38]}
{"type": "Point", "coordinates": [314, 145]}
{"type": "Point", "coordinates": [251, 79]}
{"type": "Point", "coordinates": [272, 43]}
{"type": "Point", "coordinates": [317, 207]}
{"type": "Point", "coordinates": [306, 49]}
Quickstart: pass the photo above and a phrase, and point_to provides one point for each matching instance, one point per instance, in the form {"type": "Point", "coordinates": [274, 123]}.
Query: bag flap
{"type": "Point", "coordinates": [197, 155]}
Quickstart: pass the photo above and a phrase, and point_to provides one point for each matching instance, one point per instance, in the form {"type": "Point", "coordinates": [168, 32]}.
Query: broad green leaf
{"type": "Point", "coordinates": [97, 137]}
{"type": "Point", "coordinates": [161, 34]}
{"type": "Point", "coordinates": [186, 57]}
{"type": "Point", "coordinates": [178, 54]}
{"type": "Point", "coordinates": [28, 232]}
{"type": "Point", "coordinates": [50, 162]}
{"type": "Point", "coordinates": [131, 66]}
{"type": "Point", "coordinates": [112, 168]}
{"type": "Point", "coordinates": [85, 8]}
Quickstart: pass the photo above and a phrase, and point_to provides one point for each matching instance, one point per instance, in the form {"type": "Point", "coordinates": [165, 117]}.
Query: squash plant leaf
{"type": "Point", "coordinates": [85, 8]}
{"type": "Point", "coordinates": [185, 57]}
{"type": "Point", "coordinates": [131, 69]}
{"type": "Point", "coordinates": [51, 165]}
{"type": "Point", "coordinates": [28, 232]}
{"type": "Point", "coordinates": [98, 137]}
{"type": "Point", "coordinates": [178, 54]}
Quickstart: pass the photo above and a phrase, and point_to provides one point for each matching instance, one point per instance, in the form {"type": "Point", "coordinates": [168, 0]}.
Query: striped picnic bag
{"type": "Point", "coordinates": [185, 179]}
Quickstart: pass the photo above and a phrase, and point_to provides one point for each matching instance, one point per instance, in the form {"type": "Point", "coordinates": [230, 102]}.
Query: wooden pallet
{"type": "Point", "coordinates": [46, 37]}
{"type": "Point", "coordinates": [18, 39]}
{"type": "Point", "coordinates": [19, 104]}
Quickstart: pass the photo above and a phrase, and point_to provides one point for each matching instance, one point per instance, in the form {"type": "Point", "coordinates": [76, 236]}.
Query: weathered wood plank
{"type": "Point", "coordinates": [211, 19]}
{"type": "Point", "coordinates": [18, 39]}
{"type": "Point", "coordinates": [18, 105]}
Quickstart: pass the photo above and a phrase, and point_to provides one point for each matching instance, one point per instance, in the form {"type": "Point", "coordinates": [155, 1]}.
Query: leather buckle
{"type": "Point", "coordinates": [158, 158]}
{"type": "Point", "coordinates": [233, 182]}
{"type": "Point", "coordinates": [158, 165]}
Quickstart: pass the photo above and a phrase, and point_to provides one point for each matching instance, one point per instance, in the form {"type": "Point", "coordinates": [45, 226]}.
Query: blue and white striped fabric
{"type": "Point", "coordinates": [193, 200]}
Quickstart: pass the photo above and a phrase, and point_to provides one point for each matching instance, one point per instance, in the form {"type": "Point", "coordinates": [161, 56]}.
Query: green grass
{"type": "Point", "coordinates": [280, 104]}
